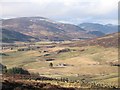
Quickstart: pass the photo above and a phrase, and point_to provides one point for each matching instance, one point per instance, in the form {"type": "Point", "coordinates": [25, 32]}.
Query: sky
{"type": "Point", "coordinates": [66, 11]}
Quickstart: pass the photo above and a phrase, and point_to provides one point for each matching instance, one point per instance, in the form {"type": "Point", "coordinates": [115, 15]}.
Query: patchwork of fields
{"type": "Point", "coordinates": [89, 63]}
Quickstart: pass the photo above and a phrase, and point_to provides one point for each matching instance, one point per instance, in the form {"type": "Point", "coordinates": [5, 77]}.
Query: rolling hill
{"type": "Point", "coordinates": [97, 33]}
{"type": "Point", "coordinates": [110, 40]}
{"type": "Point", "coordinates": [45, 29]}
{"type": "Point", "coordinates": [106, 29]}
{"type": "Point", "coordinates": [12, 36]}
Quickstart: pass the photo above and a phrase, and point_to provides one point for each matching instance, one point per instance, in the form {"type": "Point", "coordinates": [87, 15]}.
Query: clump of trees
{"type": "Point", "coordinates": [3, 68]}
{"type": "Point", "coordinates": [17, 70]}
{"type": "Point", "coordinates": [51, 65]}
{"type": "Point", "coordinates": [3, 54]}
{"type": "Point", "coordinates": [63, 50]}
{"type": "Point", "coordinates": [14, 70]}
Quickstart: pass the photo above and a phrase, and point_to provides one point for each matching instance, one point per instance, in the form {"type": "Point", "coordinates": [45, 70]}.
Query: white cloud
{"type": "Point", "coordinates": [62, 10]}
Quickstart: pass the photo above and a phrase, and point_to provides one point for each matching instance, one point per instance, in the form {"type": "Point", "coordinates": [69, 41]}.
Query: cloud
{"type": "Point", "coordinates": [72, 11]}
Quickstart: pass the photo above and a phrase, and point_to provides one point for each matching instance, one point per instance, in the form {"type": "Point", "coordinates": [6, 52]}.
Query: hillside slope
{"type": "Point", "coordinates": [110, 40]}
{"type": "Point", "coordinates": [45, 29]}
{"type": "Point", "coordinates": [12, 36]}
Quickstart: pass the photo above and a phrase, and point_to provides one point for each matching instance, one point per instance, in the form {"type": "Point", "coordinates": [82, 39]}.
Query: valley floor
{"type": "Point", "coordinates": [93, 64]}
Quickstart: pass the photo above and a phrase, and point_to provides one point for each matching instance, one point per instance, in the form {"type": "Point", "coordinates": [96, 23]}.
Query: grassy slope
{"type": "Point", "coordinates": [16, 58]}
{"type": "Point", "coordinates": [12, 36]}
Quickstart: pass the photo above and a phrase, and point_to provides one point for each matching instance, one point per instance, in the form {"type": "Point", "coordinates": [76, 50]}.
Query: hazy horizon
{"type": "Point", "coordinates": [65, 11]}
{"type": "Point", "coordinates": [62, 22]}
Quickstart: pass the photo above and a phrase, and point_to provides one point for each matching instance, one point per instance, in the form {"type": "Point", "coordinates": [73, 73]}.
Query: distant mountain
{"type": "Point", "coordinates": [97, 33]}
{"type": "Point", "coordinates": [106, 29]}
{"type": "Point", "coordinates": [45, 29]}
{"type": "Point", "coordinates": [12, 36]}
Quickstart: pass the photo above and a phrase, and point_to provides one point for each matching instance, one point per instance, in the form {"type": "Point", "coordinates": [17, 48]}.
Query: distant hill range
{"type": "Point", "coordinates": [40, 28]}
{"type": "Point", "coordinates": [103, 29]}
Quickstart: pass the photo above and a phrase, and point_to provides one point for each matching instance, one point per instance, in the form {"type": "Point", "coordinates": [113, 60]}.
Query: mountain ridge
{"type": "Point", "coordinates": [106, 29]}
{"type": "Point", "coordinates": [45, 29]}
